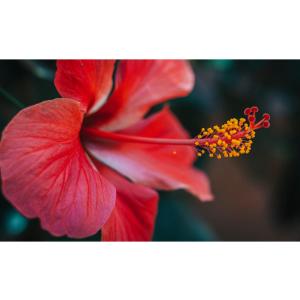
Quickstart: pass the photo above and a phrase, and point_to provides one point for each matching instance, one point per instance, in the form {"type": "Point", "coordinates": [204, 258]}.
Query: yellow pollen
{"type": "Point", "coordinates": [232, 139]}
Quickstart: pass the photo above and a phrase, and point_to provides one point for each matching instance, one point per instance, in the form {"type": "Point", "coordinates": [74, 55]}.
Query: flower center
{"type": "Point", "coordinates": [232, 139]}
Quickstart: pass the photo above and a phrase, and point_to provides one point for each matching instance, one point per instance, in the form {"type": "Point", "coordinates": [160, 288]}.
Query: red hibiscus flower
{"type": "Point", "coordinates": [91, 160]}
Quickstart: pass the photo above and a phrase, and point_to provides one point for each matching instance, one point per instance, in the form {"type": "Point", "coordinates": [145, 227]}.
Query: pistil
{"type": "Point", "coordinates": [111, 136]}
{"type": "Point", "coordinates": [232, 139]}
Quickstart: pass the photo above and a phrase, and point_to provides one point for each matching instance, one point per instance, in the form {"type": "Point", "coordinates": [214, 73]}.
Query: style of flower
{"type": "Point", "coordinates": [92, 160]}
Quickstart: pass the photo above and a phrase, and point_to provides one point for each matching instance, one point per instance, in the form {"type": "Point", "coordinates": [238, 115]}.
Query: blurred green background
{"type": "Point", "coordinates": [256, 196]}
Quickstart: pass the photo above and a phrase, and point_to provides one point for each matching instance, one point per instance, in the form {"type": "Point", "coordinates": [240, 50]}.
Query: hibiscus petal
{"type": "Point", "coordinates": [134, 215]}
{"type": "Point", "coordinates": [47, 174]}
{"type": "Point", "coordinates": [141, 84]}
{"type": "Point", "coordinates": [157, 166]}
{"type": "Point", "coordinates": [88, 81]}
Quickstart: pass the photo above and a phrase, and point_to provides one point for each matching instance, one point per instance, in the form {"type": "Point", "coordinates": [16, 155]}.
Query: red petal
{"type": "Point", "coordinates": [47, 174]}
{"type": "Point", "coordinates": [134, 215]}
{"type": "Point", "coordinates": [157, 166]}
{"type": "Point", "coordinates": [88, 81]}
{"type": "Point", "coordinates": [141, 84]}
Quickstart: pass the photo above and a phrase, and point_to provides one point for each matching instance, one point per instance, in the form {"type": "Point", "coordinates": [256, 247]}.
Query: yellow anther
{"type": "Point", "coordinates": [210, 130]}
{"type": "Point", "coordinates": [231, 139]}
{"type": "Point", "coordinates": [242, 121]}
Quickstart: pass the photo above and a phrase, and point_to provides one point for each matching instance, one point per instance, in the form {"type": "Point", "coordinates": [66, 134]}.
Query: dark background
{"type": "Point", "coordinates": [256, 196]}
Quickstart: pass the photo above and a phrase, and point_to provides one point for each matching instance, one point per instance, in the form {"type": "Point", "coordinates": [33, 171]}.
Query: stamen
{"type": "Point", "coordinates": [232, 139]}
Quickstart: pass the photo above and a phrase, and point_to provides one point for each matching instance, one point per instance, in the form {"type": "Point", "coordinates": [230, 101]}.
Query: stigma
{"type": "Point", "coordinates": [232, 139]}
